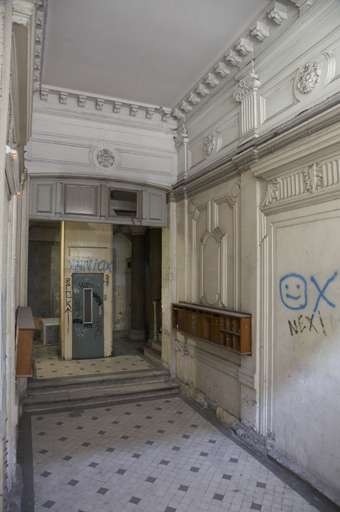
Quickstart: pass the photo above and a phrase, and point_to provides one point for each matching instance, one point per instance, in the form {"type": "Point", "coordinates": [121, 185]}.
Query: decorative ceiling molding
{"type": "Point", "coordinates": [222, 70]}
{"type": "Point", "coordinates": [39, 41]}
{"type": "Point", "coordinates": [211, 80]}
{"type": "Point", "coordinates": [244, 46]}
{"type": "Point", "coordinates": [105, 105]}
{"type": "Point", "coordinates": [63, 97]}
{"type": "Point", "coordinates": [278, 13]}
{"type": "Point", "coordinates": [239, 54]}
{"type": "Point", "coordinates": [100, 104]}
{"type": "Point", "coordinates": [202, 90]}
{"type": "Point", "coordinates": [260, 31]}
{"type": "Point", "coordinates": [134, 110]}
{"type": "Point", "coordinates": [185, 106]}
{"type": "Point", "coordinates": [193, 98]}
{"type": "Point", "coordinates": [233, 57]}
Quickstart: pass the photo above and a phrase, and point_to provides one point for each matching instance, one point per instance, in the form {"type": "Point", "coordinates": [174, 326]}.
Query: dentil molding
{"type": "Point", "coordinates": [278, 13]}
{"type": "Point", "coordinates": [237, 56]}
{"type": "Point", "coordinates": [39, 41]}
{"type": "Point", "coordinates": [82, 100]}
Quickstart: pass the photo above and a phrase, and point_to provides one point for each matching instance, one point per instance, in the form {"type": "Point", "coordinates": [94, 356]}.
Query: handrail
{"type": "Point", "coordinates": [174, 341]}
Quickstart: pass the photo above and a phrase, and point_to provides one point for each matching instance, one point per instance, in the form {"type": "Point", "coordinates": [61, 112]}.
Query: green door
{"type": "Point", "coordinates": [87, 316]}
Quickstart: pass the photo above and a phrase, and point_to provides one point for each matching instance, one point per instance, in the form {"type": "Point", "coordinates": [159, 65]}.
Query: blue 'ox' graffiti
{"type": "Point", "coordinates": [78, 266]}
{"type": "Point", "coordinates": [293, 291]}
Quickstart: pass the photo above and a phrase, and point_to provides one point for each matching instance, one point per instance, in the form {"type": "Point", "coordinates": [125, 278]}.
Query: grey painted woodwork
{"type": "Point", "coordinates": [97, 201]}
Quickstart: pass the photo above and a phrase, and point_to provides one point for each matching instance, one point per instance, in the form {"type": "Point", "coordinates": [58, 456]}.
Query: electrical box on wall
{"type": "Point", "coordinates": [50, 331]}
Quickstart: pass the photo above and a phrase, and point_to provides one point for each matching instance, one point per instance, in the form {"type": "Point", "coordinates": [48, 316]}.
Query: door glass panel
{"type": "Point", "coordinates": [87, 308]}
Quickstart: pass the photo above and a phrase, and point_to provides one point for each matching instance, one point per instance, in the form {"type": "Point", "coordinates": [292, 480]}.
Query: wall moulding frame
{"type": "Point", "coordinates": [270, 222]}
{"type": "Point", "coordinates": [216, 239]}
{"type": "Point", "coordinates": [222, 241]}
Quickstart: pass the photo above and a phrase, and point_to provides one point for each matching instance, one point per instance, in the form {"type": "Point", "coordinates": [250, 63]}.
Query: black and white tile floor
{"type": "Point", "coordinates": [127, 357]}
{"type": "Point", "coordinates": [157, 455]}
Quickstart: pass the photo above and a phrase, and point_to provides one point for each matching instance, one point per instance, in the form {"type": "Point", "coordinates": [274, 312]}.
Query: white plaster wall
{"type": "Point", "coordinates": [305, 316]}
{"type": "Point", "coordinates": [65, 141]}
{"type": "Point", "coordinates": [211, 274]}
{"type": "Point", "coordinates": [122, 251]}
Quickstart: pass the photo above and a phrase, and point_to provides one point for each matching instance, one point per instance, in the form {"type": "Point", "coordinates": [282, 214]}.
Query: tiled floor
{"type": "Point", "coordinates": [159, 455]}
{"type": "Point", "coordinates": [126, 358]}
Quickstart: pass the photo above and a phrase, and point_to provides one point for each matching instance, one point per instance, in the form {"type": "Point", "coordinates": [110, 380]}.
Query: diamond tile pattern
{"type": "Point", "coordinates": [149, 471]}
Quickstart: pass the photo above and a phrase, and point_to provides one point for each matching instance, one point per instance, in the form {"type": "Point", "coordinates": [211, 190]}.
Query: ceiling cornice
{"type": "Point", "coordinates": [61, 98]}
{"type": "Point", "coordinates": [40, 23]}
{"type": "Point", "coordinates": [116, 105]}
{"type": "Point", "coordinates": [261, 33]}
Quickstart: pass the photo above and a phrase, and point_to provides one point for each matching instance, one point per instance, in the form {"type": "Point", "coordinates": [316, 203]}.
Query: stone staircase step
{"type": "Point", "coordinates": [44, 386]}
{"type": "Point", "coordinates": [152, 354]}
{"type": "Point", "coordinates": [85, 397]}
{"type": "Point", "coordinates": [157, 345]}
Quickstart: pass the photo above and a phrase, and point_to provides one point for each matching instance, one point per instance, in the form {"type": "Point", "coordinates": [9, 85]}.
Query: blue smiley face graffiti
{"type": "Point", "coordinates": [293, 291]}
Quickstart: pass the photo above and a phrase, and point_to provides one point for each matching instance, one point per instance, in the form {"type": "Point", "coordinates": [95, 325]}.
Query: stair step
{"type": "Point", "coordinates": [71, 399]}
{"type": "Point", "coordinates": [157, 345]}
{"type": "Point", "coordinates": [152, 354]}
{"type": "Point", "coordinates": [45, 386]}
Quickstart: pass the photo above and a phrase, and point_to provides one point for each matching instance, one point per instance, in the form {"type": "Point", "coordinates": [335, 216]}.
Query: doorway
{"type": "Point", "coordinates": [87, 316]}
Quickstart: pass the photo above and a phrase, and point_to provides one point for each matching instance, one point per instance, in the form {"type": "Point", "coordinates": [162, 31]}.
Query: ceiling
{"type": "Point", "coordinates": [147, 51]}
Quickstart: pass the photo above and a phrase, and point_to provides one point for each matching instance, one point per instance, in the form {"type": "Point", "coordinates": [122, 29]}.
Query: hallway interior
{"type": "Point", "coordinates": [147, 453]}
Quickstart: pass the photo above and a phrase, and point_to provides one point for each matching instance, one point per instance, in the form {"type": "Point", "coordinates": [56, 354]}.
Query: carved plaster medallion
{"type": "Point", "coordinates": [105, 158]}
{"type": "Point", "coordinates": [313, 177]}
{"type": "Point", "coordinates": [309, 77]}
{"type": "Point", "coordinates": [209, 144]}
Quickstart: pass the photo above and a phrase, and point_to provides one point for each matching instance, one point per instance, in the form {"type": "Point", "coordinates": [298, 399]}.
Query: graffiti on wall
{"type": "Point", "coordinates": [294, 296]}
{"type": "Point", "coordinates": [310, 323]}
{"type": "Point", "coordinates": [68, 300]}
{"type": "Point", "coordinates": [89, 266]}
{"type": "Point", "coordinates": [293, 291]}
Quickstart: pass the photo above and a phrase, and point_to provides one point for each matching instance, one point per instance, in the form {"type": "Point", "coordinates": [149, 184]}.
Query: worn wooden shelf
{"type": "Point", "coordinates": [228, 329]}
